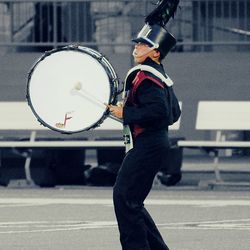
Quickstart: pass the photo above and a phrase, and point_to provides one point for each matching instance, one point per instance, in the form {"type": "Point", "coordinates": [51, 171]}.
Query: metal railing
{"type": "Point", "coordinates": [109, 25]}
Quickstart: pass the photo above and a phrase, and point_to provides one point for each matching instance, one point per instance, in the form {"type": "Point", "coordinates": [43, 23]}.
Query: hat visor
{"type": "Point", "coordinates": [142, 40]}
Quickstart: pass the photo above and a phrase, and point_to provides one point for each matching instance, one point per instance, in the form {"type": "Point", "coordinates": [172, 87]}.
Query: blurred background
{"type": "Point", "coordinates": [210, 61]}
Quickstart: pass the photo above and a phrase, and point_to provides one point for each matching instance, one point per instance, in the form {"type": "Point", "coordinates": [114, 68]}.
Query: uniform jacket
{"type": "Point", "coordinates": [146, 108]}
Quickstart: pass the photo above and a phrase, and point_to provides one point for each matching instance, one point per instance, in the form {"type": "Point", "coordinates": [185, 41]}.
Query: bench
{"type": "Point", "coordinates": [17, 116]}
{"type": "Point", "coordinates": [220, 116]}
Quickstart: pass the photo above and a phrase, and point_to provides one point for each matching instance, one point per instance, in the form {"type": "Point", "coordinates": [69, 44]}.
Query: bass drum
{"type": "Point", "coordinates": [68, 89]}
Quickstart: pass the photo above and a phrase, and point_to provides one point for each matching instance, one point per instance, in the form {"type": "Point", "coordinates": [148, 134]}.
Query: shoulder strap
{"type": "Point", "coordinates": [165, 79]}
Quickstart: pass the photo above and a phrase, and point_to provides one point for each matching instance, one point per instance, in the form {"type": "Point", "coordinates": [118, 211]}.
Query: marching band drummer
{"type": "Point", "coordinates": [150, 108]}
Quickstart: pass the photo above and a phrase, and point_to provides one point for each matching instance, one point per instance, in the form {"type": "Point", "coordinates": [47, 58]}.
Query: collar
{"type": "Point", "coordinates": [153, 64]}
{"type": "Point", "coordinates": [152, 67]}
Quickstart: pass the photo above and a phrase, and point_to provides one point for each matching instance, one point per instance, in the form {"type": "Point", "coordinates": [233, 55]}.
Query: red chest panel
{"type": "Point", "coordinates": [139, 78]}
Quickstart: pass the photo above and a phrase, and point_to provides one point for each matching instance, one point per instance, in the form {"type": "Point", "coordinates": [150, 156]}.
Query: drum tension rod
{"type": "Point", "coordinates": [74, 46]}
{"type": "Point", "coordinates": [99, 58]}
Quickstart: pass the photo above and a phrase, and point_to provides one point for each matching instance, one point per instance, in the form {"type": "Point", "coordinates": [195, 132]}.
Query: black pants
{"type": "Point", "coordinates": [134, 181]}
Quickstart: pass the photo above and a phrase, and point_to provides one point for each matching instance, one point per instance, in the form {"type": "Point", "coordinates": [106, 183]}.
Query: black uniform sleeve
{"type": "Point", "coordinates": [152, 105]}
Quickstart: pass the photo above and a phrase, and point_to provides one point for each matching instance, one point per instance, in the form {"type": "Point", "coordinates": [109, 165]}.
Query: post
{"type": "Point", "coordinates": [55, 26]}
{"type": "Point", "coordinates": [216, 159]}
{"type": "Point", "coordinates": [27, 162]}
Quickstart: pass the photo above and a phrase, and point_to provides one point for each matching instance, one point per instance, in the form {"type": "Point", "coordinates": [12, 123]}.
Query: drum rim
{"type": "Point", "coordinates": [104, 62]}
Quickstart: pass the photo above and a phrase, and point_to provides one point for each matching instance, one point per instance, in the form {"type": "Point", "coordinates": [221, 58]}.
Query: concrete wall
{"type": "Point", "coordinates": [207, 76]}
{"type": "Point", "coordinates": [197, 76]}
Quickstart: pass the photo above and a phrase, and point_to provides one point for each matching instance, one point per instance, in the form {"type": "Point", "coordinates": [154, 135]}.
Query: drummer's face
{"type": "Point", "coordinates": [141, 52]}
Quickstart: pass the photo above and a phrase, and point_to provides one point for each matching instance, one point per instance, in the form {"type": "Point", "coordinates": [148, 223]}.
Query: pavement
{"type": "Point", "coordinates": [74, 218]}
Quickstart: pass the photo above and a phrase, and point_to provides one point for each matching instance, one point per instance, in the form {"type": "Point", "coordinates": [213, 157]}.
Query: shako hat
{"type": "Point", "coordinates": [156, 36]}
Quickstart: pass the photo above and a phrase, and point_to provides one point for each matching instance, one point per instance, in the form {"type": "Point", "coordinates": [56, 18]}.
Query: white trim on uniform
{"type": "Point", "coordinates": [166, 79]}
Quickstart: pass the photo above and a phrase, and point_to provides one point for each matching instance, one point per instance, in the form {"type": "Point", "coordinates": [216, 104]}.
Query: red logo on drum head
{"type": "Point", "coordinates": [66, 118]}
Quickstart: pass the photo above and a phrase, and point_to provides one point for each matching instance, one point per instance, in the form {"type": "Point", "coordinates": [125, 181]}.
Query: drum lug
{"type": "Point", "coordinates": [99, 58]}
{"type": "Point", "coordinates": [48, 52]}
{"type": "Point", "coordinates": [74, 46]}
{"type": "Point", "coordinates": [115, 80]}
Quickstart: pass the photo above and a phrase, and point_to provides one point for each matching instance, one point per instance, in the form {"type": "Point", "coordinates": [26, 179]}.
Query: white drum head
{"type": "Point", "coordinates": [67, 90]}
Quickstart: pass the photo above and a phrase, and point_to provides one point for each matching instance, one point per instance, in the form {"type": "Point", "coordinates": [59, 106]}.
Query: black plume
{"type": "Point", "coordinates": [162, 13]}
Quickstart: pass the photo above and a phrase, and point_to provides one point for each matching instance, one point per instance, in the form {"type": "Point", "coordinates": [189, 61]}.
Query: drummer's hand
{"type": "Point", "coordinates": [116, 111]}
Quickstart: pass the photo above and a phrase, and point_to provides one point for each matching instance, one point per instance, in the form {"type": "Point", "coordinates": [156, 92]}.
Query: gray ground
{"type": "Point", "coordinates": [83, 218]}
